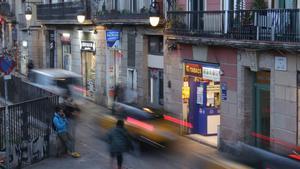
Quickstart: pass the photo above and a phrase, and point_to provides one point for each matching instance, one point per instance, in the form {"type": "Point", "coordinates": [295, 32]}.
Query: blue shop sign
{"type": "Point", "coordinates": [112, 35]}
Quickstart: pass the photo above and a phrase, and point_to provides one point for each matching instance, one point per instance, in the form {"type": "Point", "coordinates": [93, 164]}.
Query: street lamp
{"type": "Point", "coordinates": [154, 13]}
{"type": "Point", "coordinates": [28, 13]}
{"type": "Point", "coordinates": [81, 17]}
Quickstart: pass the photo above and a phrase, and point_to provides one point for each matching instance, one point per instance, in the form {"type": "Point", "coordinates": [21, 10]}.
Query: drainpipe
{"type": "Point", "coordinates": [3, 32]}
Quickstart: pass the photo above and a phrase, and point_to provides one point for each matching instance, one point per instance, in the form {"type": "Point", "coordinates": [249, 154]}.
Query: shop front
{"type": "Point", "coordinates": [88, 58]}
{"type": "Point", "coordinates": [202, 97]}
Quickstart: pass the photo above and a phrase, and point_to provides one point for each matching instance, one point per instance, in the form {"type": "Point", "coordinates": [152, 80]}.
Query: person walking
{"type": "Point", "coordinates": [61, 126]}
{"type": "Point", "coordinates": [119, 142]}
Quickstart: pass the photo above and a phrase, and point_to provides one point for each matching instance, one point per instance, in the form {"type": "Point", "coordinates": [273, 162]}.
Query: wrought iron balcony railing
{"type": "Point", "coordinates": [60, 11]}
{"type": "Point", "coordinates": [266, 25]}
{"type": "Point", "coordinates": [5, 9]}
{"type": "Point", "coordinates": [124, 14]}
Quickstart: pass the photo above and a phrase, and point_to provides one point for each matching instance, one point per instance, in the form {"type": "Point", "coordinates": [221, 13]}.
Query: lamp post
{"type": "Point", "coordinates": [154, 13]}
{"type": "Point", "coordinates": [28, 13]}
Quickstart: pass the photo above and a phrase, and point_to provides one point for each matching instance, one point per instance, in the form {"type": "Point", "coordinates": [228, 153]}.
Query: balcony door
{"type": "Point", "coordinates": [196, 19]}
{"type": "Point", "coordinates": [283, 4]}
{"type": "Point", "coordinates": [133, 6]}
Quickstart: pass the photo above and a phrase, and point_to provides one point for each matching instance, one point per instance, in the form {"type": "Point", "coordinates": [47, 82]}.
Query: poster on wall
{"type": "Point", "coordinates": [200, 95]}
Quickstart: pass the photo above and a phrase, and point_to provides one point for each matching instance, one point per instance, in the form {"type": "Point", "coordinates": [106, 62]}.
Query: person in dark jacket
{"type": "Point", "coordinates": [119, 142]}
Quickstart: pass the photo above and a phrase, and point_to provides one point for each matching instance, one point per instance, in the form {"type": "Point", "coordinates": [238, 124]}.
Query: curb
{"type": "Point", "coordinates": [201, 142]}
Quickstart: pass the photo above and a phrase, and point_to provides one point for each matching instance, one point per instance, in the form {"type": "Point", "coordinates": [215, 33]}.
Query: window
{"type": "Point", "coordinates": [131, 50]}
{"type": "Point", "coordinates": [133, 6]}
{"type": "Point", "coordinates": [156, 45]}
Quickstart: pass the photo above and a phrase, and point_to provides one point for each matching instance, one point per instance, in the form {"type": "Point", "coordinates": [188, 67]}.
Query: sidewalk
{"type": "Point", "coordinates": [94, 154]}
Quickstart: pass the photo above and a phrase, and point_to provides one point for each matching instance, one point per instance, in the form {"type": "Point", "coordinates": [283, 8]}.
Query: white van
{"type": "Point", "coordinates": [58, 81]}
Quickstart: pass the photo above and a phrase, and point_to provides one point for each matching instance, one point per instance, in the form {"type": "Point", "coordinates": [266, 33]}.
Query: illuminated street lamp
{"type": "Point", "coordinates": [28, 13]}
{"type": "Point", "coordinates": [154, 13]}
{"type": "Point", "coordinates": [81, 17]}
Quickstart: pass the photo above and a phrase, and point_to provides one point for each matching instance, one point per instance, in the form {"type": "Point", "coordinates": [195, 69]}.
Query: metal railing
{"type": "Point", "coordinates": [28, 120]}
{"type": "Point", "coordinates": [266, 25]}
{"type": "Point", "coordinates": [5, 9]}
{"type": "Point", "coordinates": [60, 11]}
{"type": "Point", "coordinates": [208, 23]}
{"type": "Point", "coordinates": [122, 14]}
{"type": "Point", "coordinates": [20, 91]}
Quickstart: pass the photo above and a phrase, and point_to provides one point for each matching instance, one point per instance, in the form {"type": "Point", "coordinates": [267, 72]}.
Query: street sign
{"type": "Point", "coordinates": [6, 64]}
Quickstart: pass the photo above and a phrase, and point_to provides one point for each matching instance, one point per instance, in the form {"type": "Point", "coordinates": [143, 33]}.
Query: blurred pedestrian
{"type": "Point", "coordinates": [72, 112]}
{"type": "Point", "coordinates": [119, 93]}
{"type": "Point", "coordinates": [30, 66]}
{"type": "Point", "coordinates": [119, 142]}
{"type": "Point", "coordinates": [61, 126]}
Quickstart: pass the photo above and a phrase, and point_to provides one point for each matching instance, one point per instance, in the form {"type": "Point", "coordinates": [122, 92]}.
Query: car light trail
{"type": "Point", "coordinates": [79, 89]}
{"type": "Point", "coordinates": [280, 142]}
{"type": "Point", "coordinates": [140, 124]}
{"type": "Point", "coordinates": [180, 122]}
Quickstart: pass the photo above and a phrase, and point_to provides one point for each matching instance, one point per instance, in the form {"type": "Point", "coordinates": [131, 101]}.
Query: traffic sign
{"type": "Point", "coordinates": [7, 64]}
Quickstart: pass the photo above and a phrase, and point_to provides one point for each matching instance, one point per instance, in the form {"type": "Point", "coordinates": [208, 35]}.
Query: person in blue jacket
{"type": "Point", "coordinates": [61, 126]}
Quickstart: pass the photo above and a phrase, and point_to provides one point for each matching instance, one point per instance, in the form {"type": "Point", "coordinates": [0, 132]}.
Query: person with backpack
{"type": "Point", "coordinates": [119, 142]}
{"type": "Point", "coordinates": [60, 123]}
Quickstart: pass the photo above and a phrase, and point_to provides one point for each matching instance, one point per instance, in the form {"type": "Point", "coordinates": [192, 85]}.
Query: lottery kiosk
{"type": "Point", "coordinates": [203, 103]}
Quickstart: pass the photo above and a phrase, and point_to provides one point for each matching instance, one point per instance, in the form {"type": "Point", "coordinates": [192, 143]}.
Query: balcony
{"type": "Point", "coordinates": [62, 12]}
{"type": "Point", "coordinates": [274, 25]}
{"type": "Point", "coordinates": [5, 9]}
{"type": "Point", "coordinates": [122, 17]}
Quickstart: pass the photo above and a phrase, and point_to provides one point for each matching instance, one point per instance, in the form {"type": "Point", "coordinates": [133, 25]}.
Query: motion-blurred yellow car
{"type": "Point", "coordinates": [144, 124]}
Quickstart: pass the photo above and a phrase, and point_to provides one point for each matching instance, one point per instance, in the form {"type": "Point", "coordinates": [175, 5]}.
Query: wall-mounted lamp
{"type": "Point", "coordinates": [24, 43]}
{"type": "Point", "coordinates": [154, 13]}
{"type": "Point", "coordinates": [81, 17]}
{"type": "Point", "coordinates": [28, 13]}
{"type": "Point", "coordinates": [66, 35]}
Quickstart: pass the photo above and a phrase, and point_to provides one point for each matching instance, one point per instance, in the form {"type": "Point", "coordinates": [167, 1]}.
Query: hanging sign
{"type": "Point", "coordinates": [87, 45]}
{"type": "Point", "coordinates": [113, 38]}
{"type": "Point", "coordinates": [193, 69]}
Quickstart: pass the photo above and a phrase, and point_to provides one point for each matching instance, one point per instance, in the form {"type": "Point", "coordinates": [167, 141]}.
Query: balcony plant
{"type": "Point", "coordinates": [176, 21]}
{"type": "Point", "coordinates": [144, 10]}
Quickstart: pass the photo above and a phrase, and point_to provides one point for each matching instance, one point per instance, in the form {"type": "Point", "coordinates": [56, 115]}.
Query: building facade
{"type": "Point", "coordinates": [254, 52]}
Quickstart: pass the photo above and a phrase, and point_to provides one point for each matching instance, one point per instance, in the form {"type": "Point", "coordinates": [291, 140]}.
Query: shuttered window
{"type": "Point", "coordinates": [131, 50]}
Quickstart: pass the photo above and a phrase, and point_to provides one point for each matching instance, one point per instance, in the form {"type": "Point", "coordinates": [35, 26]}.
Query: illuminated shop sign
{"type": "Point", "coordinates": [87, 45]}
{"type": "Point", "coordinates": [211, 74]}
{"type": "Point", "coordinates": [193, 69]}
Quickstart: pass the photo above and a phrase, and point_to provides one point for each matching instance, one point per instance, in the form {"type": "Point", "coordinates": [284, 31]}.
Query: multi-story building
{"type": "Point", "coordinates": [111, 47]}
{"type": "Point", "coordinates": [135, 60]}
{"type": "Point", "coordinates": [235, 64]}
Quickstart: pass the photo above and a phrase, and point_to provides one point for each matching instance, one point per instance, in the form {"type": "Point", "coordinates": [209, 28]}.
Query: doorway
{"type": "Point", "coordinates": [156, 88]}
{"type": "Point", "coordinates": [89, 73]}
{"type": "Point", "coordinates": [262, 108]}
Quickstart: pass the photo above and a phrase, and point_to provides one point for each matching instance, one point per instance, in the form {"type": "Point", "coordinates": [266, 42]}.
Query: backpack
{"type": "Point", "coordinates": [53, 125]}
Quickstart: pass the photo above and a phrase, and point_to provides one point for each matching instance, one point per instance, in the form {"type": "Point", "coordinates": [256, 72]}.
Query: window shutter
{"type": "Point", "coordinates": [131, 50]}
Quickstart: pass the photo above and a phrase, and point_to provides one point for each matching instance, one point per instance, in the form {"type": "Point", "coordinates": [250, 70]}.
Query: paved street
{"type": "Point", "coordinates": [185, 154]}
